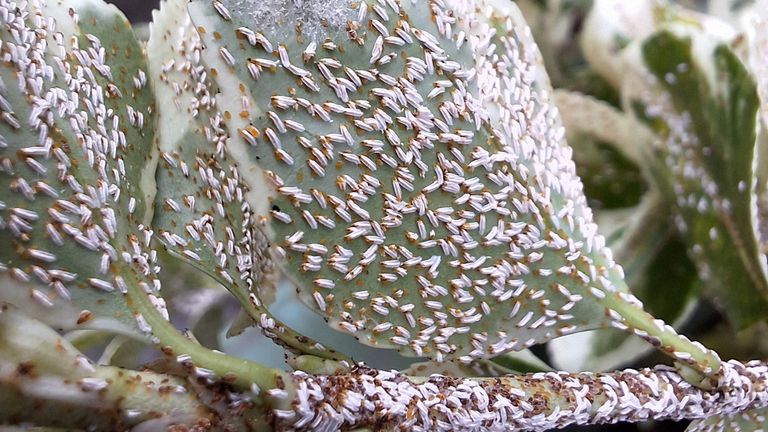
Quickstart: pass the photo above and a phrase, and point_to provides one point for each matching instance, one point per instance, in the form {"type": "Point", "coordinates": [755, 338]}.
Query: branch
{"type": "Point", "coordinates": [367, 397]}
{"type": "Point", "coordinates": [46, 381]}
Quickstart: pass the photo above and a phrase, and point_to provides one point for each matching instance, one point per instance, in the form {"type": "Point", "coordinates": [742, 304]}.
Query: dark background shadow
{"type": "Point", "coordinates": [136, 10]}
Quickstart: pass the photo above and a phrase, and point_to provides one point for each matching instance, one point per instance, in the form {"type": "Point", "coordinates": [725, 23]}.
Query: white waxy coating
{"type": "Point", "coordinates": [366, 397]}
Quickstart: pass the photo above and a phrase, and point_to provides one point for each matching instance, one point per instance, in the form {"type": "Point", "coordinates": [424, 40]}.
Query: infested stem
{"type": "Point", "coordinates": [367, 397]}
{"type": "Point", "coordinates": [44, 379]}
{"type": "Point", "coordinates": [661, 335]}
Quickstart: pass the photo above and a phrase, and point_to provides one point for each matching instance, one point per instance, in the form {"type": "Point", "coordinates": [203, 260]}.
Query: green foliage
{"type": "Point", "coordinates": [709, 149]}
{"type": "Point", "coordinates": [76, 164]}
{"type": "Point", "coordinates": [404, 165]}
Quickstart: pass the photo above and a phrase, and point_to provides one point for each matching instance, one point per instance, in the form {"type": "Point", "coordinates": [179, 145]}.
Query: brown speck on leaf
{"type": "Point", "coordinates": [84, 317]}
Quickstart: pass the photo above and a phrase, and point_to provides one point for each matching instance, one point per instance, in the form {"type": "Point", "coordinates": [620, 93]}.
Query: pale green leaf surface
{"type": "Point", "coordinates": [658, 270]}
{"type": "Point", "coordinates": [432, 232]}
{"type": "Point", "coordinates": [200, 216]}
{"type": "Point", "coordinates": [71, 184]}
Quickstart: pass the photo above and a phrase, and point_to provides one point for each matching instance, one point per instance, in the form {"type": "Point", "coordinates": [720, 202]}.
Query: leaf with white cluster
{"type": "Point", "coordinates": [77, 128]}
{"type": "Point", "coordinates": [703, 104]}
{"type": "Point", "coordinates": [201, 212]}
{"type": "Point", "coordinates": [421, 193]}
{"type": "Point", "coordinates": [661, 274]}
{"type": "Point", "coordinates": [613, 153]}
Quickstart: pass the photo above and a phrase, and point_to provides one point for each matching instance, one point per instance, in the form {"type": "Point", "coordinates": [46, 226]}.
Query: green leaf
{"type": "Point", "coordinates": [200, 214]}
{"type": "Point", "coordinates": [410, 203]}
{"type": "Point", "coordinates": [706, 116]}
{"type": "Point", "coordinates": [655, 260]}
{"type": "Point", "coordinates": [76, 134]}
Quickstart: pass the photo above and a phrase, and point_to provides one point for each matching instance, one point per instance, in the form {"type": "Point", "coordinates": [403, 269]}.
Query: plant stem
{"type": "Point", "coordinates": [664, 337]}
{"type": "Point", "coordinates": [368, 397]}
{"type": "Point", "coordinates": [240, 372]}
{"type": "Point", "coordinates": [46, 381]}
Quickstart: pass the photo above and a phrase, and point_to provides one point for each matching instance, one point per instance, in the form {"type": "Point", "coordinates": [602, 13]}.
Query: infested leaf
{"type": "Point", "coordinates": [705, 109]}
{"type": "Point", "coordinates": [422, 196]}
{"type": "Point", "coordinates": [201, 214]}
{"type": "Point", "coordinates": [661, 274]}
{"type": "Point", "coordinates": [77, 128]}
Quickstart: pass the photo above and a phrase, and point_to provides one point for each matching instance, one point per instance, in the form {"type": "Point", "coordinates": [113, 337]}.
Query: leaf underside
{"type": "Point", "coordinates": [76, 134]}
{"type": "Point", "coordinates": [411, 205]}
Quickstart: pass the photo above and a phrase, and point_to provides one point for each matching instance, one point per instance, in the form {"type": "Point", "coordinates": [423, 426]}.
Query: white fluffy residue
{"type": "Point", "coordinates": [313, 19]}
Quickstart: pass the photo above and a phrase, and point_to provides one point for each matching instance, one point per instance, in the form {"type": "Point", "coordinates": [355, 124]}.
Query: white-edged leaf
{"type": "Point", "coordinates": [756, 26]}
{"type": "Point", "coordinates": [76, 151]}
{"type": "Point", "coordinates": [423, 196]}
{"type": "Point", "coordinates": [703, 103]}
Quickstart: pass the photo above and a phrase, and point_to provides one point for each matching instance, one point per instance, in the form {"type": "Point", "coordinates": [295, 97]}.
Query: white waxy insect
{"type": "Point", "coordinates": [101, 284]}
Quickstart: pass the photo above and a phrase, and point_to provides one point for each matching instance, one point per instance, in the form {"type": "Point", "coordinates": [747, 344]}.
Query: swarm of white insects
{"type": "Point", "coordinates": [403, 164]}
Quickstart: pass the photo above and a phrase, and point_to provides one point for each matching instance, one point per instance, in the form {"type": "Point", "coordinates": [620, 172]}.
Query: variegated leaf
{"type": "Point", "coordinates": [728, 10]}
{"type": "Point", "coordinates": [77, 129]}
{"type": "Point", "coordinates": [756, 26]}
{"type": "Point", "coordinates": [703, 103]}
{"type": "Point", "coordinates": [421, 196]}
{"type": "Point", "coordinates": [751, 420]}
